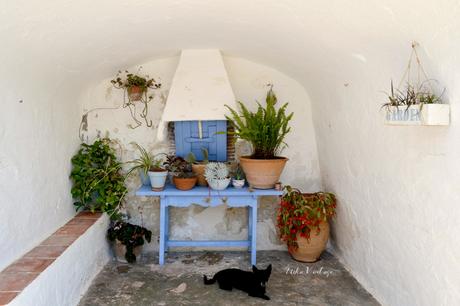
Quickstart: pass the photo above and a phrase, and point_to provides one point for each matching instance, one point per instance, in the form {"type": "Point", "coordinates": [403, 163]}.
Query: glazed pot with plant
{"type": "Point", "coordinates": [128, 240]}
{"type": "Point", "coordinates": [158, 174]}
{"type": "Point", "coordinates": [217, 175]}
{"type": "Point", "coordinates": [303, 222]}
{"type": "Point", "coordinates": [265, 129]}
{"type": "Point", "coordinates": [238, 179]}
{"type": "Point", "coordinates": [98, 183]}
{"type": "Point", "coordinates": [142, 164]}
{"type": "Point", "coordinates": [198, 167]}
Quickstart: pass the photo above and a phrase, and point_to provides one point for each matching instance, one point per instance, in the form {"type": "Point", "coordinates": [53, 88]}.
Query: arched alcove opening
{"type": "Point", "coordinates": [396, 186]}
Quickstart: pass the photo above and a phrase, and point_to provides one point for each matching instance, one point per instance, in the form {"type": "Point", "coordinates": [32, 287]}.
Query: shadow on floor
{"type": "Point", "coordinates": [325, 282]}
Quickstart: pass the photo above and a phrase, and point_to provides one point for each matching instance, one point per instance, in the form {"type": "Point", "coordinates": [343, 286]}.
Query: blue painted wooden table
{"type": "Point", "coordinates": [204, 196]}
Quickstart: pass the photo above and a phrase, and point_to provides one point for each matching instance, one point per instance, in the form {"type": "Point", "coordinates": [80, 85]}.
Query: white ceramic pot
{"type": "Point", "coordinates": [158, 179]}
{"type": "Point", "coordinates": [144, 178]}
{"type": "Point", "coordinates": [219, 184]}
{"type": "Point", "coordinates": [238, 183]}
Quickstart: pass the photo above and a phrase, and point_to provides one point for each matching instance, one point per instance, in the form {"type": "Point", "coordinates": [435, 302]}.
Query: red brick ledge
{"type": "Point", "coordinates": [16, 277]}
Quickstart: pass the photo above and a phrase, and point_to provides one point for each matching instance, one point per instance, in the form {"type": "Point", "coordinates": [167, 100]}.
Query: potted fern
{"type": "Point", "coordinates": [265, 129]}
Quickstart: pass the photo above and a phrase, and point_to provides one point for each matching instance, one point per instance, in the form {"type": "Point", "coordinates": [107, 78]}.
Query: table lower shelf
{"type": "Point", "coordinates": [208, 243]}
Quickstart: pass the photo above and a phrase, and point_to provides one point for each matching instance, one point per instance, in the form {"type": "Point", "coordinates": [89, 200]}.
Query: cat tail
{"type": "Point", "coordinates": [209, 281]}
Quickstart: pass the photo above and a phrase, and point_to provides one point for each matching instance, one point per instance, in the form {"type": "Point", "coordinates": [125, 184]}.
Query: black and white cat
{"type": "Point", "coordinates": [251, 282]}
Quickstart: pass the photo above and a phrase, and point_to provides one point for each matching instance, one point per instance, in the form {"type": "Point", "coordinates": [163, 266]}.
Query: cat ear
{"type": "Point", "coordinates": [254, 269]}
{"type": "Point", "coordinates": [269, 268]}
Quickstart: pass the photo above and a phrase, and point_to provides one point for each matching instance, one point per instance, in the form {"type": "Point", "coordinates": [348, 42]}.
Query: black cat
{"type": "Point", "coordinates": [251, 282]}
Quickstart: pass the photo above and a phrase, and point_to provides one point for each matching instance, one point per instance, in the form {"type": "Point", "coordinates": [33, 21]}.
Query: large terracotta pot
{"type": "Point", "coordinates": [262, 173]}
{"type": "Point", "coordinates": [198, 169]}
{"type": "Point", "coordinates": [310, 251]}
{"type": "Point", "coordinates": [120, 251]}
{"type": "Point", "coordinates": [182, 183]}
{"type": "Point", "coordinates": [135, 93]}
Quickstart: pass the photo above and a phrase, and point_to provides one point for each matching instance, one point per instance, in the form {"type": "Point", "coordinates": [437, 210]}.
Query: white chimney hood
{"type": "Point", "coordinates": [199, 90]}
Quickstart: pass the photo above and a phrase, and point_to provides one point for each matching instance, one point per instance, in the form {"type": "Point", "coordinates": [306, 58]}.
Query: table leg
{"type": "Point", "coordinates": [162, 231]}
{"type": "Point", "coordinates": [166, 228]}
{"type": "Point", "coordinates": [254, 232]}
{"type": "Point", "coordinates": [249, 226]}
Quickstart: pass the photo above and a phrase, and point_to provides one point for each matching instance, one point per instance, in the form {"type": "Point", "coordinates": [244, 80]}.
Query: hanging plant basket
{"type": "Point", "coordinates": [418, 102]}
{"type": "Point", "coordinates": [425, 114]}
{"type": "Point", "coordinates": [135, 93]}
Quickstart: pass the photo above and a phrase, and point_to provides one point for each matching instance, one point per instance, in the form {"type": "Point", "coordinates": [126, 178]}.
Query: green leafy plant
{"type": "Point", "coordinates": [265, 128]}
{"type": "Point", "coordinates": [238, 173]}
{"type": "Point", "coordinates": [191, 158]}
{"type": "Point", "coordinates": [146, 162]}
{"type": "Point", "coordinates": [125, 80]}
{"type": "Point", "coordinates": [178, 166]}
{"type": "Point", "coordinates": [302, 213]}
{"type": "Point", "coordinates": [98, 183]}
{"type": "Point", "coordinates": [129, 235]}
{"type": "Point", "coordinates": [143, 163]}
{"type": "Point", "coordinates": [412, 95]}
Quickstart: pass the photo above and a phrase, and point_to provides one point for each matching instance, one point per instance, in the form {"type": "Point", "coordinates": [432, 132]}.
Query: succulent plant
{"type": "Point", "coordinates": [216, 171]}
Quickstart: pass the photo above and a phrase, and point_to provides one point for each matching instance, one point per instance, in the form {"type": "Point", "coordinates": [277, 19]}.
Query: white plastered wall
{"type": "Point", "coordinates": [249, 82]}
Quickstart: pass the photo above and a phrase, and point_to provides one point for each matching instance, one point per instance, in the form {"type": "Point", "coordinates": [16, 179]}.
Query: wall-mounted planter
{"type": "Point", "coordinates": [428, 114]}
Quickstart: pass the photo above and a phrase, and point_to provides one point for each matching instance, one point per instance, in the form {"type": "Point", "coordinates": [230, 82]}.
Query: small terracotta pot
{"type": "Point", "coordinates": [262, 173]}
{"type": "Point", "coordinates": [135, 93]}
{"type": "Point", "coordinates": [198, 169]}
{"type": "Point", "coordinates": [310, 250]}
{"type": "Point", "coordinates": [186, 183]}
{"type": "Point", "coordinates": [119, 251]}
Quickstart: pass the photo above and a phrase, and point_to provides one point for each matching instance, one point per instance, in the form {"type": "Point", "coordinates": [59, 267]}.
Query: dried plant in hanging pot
{"type": "Point", "coordinates": [303, 222]}
{"type": "Point", "coordinates": [136, 89]}
{"type": "Point", "coordinates": [419, 102]}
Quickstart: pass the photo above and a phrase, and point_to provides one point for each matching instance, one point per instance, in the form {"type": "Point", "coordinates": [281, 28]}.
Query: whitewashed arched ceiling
{"type": "Point", "coordinates": [307, 39]}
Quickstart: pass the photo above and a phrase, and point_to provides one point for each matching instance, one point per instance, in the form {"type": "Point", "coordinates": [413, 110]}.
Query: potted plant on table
{"type": "Point", "coordinates": [198, 167]}
{"type": "Point", "coordinates": [181, 172]}
{"type": "Point", "coordinates": [217, 175]}
{"type": "Point", "coordinates": [265, 129]}
{"type": "Point", "coordinates": [128, 240]}
{"type": "Point", "coordinates": [238, 178]}
{"type": "Point", "coordinates": [143, 164]}
{"type": "Point", "coordinates": [303, 222]}
{"type": "Point", "coordinates": [158, 174]}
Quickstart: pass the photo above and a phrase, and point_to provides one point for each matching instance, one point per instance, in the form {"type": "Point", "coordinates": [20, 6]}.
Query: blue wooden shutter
{"type": "Point", "coordinates": [188, 139]}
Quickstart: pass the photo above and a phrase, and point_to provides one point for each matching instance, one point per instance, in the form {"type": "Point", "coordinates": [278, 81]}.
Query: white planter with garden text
{"type": "Point", "coordinates": [426, 114]}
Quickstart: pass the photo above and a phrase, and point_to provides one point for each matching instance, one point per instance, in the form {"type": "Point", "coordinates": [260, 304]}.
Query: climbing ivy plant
{"type": "Point", "coordinates": [98, 183]}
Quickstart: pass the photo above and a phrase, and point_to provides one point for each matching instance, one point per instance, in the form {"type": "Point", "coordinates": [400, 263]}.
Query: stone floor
{"type": "Point", "coordinates": [180, 282]}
